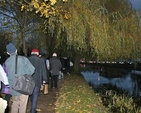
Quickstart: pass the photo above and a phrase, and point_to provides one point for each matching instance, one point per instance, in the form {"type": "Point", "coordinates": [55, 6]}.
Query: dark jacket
{"type": "Point", "coordinates": [40, 74]}
{"type": "Point", "coordinates": [55, 65]}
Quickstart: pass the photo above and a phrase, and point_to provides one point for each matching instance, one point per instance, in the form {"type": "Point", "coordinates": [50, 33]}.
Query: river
{"type": "Point", "coordinates": [102, 78]}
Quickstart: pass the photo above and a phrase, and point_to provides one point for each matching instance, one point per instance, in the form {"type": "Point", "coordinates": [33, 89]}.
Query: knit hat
{"type": "Point", "coordinates": [35, 50]}
{"type": "Point", "coordinates": [11, 48]}
{"type": "Point", "coordinates": [54, 54]}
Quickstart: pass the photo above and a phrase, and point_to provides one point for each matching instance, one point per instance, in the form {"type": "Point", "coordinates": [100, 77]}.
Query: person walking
{"type": "Point", "coordinates": [68, 65]}
{"type": "Point", "coordinates": [55, 67]}
{"type": "Point", "coordinates": [40, 77]}
{"type": "Point", "coordinates": [44, 87]}
{"type": "Point", "coordinates": [48, 74]}
{"type": "Point", "coordinates": [6, 90]}
{"type": "Point", "coordinates": [19, 101]}
{"type": "Point", "coordinates": [3, 79]}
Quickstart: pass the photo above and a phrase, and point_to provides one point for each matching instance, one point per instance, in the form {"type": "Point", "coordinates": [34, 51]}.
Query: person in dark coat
{"type": "Point", "coordinates": [55, 67]}
{"type": "Point", "coordinates": [40, 76]}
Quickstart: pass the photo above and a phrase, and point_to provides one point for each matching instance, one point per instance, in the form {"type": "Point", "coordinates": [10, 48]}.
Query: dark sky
{"type": "Point", "coordinates": [136, 4]}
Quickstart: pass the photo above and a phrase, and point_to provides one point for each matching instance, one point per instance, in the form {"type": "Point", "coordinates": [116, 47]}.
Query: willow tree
{"type": "Point", "coordinates": [99, 28]}
{"type": "Point", "coordinates": [125, 22]}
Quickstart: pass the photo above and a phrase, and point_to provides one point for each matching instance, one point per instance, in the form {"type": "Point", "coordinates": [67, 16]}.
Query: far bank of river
{"type": "Point", "coordinates": [117, 65]}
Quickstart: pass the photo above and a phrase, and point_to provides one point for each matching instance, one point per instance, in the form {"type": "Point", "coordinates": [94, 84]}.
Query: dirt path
{"type": "Point", "coordinates": [46, 103]}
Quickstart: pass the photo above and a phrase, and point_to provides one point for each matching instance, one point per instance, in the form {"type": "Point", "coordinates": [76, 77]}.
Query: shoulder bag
{"type": "Point", "coordinates": [23, 83]}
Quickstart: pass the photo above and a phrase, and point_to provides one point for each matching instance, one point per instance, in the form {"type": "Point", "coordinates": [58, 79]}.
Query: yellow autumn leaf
{"type": "Point", "coordinates": [94, 104]}
{"type": "Point", "coordinates": [22, 7]}
{"type": "Point", "coordinates": [52, 2]}
{"type": "Point", "coordinates": [36, 5]}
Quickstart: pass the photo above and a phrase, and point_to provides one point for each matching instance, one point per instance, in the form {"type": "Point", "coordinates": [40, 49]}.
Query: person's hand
{"type": "Point", "coordinates": [44, 82]}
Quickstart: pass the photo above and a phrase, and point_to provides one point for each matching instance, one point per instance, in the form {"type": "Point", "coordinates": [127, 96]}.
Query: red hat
{"type": "Point", "coordinates": [35, 50]}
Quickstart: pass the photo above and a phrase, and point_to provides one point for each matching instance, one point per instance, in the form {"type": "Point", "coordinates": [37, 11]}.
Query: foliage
{"type": "Point", "coordinates": [104, 29]}
{"type": "Point", "coordinates": [121, 103]}
{"type": "Point", "coordinates": [21, 24]}
{"type": "Point", "coordinates": [92, 30]}
{"type": "Point", "coordinates": [45, 7]}
{"type": "Point", "coordinates": [5, 38]}
{"type": "Point", "coordinates": [97, 27]}
{"type": "Point", "coordinates": [77, 97]}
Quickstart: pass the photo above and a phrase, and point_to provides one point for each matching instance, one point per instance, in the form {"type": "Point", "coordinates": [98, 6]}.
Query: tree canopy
{"type": "Point", "coordinates": [105, 29]}
{"type": "Point", "coordinates": [108, 29]}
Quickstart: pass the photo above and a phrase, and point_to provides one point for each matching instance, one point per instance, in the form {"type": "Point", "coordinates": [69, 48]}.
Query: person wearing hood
{"type": "Point", "coordinates": [19, 101]}
{"type": "Point", "coordinates": [55, 67]}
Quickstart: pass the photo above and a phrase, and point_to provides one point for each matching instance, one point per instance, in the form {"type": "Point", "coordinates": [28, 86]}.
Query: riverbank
{"type": "Point", "coordinates": [76, 96]}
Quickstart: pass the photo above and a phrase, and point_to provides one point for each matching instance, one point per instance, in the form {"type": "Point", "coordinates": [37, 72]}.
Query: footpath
{"type": "Point", "coordinates": [46, 103]}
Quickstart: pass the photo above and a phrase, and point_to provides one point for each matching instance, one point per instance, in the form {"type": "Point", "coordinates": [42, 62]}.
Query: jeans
{"type": "Point", "coordinates": [7, 97]}
{"type": "Point", "coordinates": [34, 99]}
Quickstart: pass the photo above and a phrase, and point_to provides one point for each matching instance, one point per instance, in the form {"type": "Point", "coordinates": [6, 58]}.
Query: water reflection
{"type": "Point", "coordinates": [101, 78]}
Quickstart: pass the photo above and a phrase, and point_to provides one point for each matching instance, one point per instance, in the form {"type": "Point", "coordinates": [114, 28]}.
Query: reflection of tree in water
{"type": "Point", "coordinates": [122, 78]}
{"type": "Point", "coordinates": [136, 80]}
{"type": "Point", "coordinates": [111, 72]}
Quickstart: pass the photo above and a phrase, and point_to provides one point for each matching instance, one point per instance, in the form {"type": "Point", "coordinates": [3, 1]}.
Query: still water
{"type": "Point", "coordinates": [100, 78]}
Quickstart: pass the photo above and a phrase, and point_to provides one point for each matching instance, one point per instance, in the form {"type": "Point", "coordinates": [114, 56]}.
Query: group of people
{"type": "Point", "coordinates": [66, 65]}
{"type": "Point", "coordinates": [34, 66]}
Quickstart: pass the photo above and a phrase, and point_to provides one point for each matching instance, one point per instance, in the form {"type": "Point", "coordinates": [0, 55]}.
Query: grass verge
{"type": "Point", "coordinates": [76, 96]}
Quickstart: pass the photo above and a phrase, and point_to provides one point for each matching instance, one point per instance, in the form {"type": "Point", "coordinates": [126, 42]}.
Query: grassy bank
{"type": "Point", "coordinates": [76, 96]}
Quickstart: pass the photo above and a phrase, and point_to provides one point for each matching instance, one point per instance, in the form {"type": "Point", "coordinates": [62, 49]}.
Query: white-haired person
{"type": "Point", "coordinates": [55, 67]}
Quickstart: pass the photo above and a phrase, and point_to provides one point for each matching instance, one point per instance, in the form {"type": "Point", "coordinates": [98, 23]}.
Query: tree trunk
{"type": "Point", "coordinates": [24, 43]}
{"type": "Point", "coordinates": [76, 59]}
{"type": "Point", "coordinates": [23, 33]}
